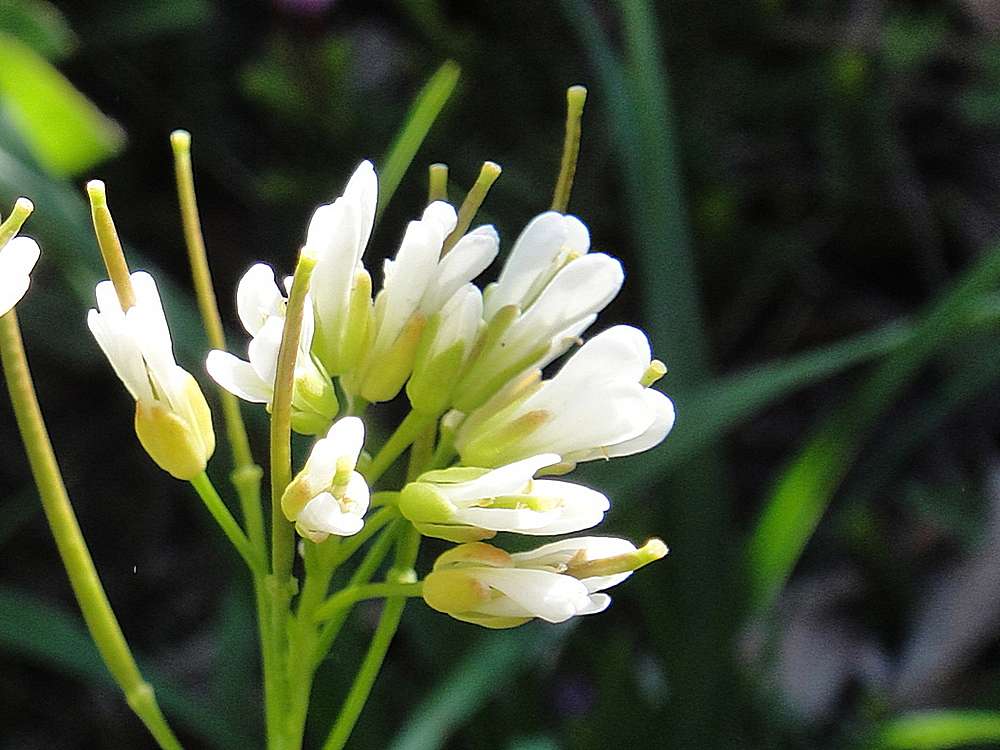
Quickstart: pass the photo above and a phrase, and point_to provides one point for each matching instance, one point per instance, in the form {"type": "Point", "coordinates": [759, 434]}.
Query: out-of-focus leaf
{"type": "Point", "coordinates": [691, 603]}
{"type": "Point", "coordinates": [936, 730]}
{"type": "Point", "coordinates": [63, 128]}
{"type": "Point", "coordinates": [491, 664]}
{"type": "Point", "coordinates": [43, 633]}
{"type": "Point", "coordinates": [138, 22]}
{"type": "Point", "coordinates": [61, 223]}
{"type": "Point", "coordinates": [805, 488]}
{"type": "Point", "coordinates": [424, 111]}
{"type": "Point", "coordinates": [39, 24]}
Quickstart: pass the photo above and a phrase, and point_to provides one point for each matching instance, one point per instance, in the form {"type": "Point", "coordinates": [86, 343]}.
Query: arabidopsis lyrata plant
{"type": "Point", "coordinates": [486, 419]}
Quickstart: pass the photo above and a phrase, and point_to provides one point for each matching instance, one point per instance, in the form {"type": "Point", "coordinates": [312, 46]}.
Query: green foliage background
{"type": "Point", "coordinates": [805, 195]}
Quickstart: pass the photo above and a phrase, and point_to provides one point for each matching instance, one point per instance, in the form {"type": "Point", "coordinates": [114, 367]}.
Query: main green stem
{"type": "Point", "coordinates": [280, 583]}
{"type": "Point", "coordinates": [392, 613]}
{"type": "Point", "coordinates": [83, 578]}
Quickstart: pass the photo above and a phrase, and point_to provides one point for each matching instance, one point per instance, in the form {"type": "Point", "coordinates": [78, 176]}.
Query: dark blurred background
{"type": "Point", "coordinates": [805, 195]}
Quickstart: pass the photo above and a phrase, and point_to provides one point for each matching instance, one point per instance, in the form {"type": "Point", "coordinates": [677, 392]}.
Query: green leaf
{"type": "Point", "coordinates": [45, 634]}
{"type": "Point", "coordinates": [63, 129]}
{"type": "Point", "coordinates": [492, 663]}
{"type": "Point", "coordinates": [935, 730]}
{"type": "Point", "coordinates": [806, 487]}
{"type": "Point", "coordinates": [40, 25]}
{"type": "Point", "coordinates": [423, 112]}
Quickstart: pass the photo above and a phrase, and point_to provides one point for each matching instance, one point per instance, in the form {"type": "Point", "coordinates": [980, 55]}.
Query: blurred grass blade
{"type": "Point", "coordinates": [496, 660]}
{"type": "Point", "coordinates": [39, 631]}
{"type": "Point", "coordinates": [805, 488]}
{"type": "Point", "coordinates": [936, 730]}
{"type": "Point", "coordinates": [424, 111]}
{"type": "Point", "coordinates": [63, 129]}
{"type": "Point", "coordinates": [691, 603]}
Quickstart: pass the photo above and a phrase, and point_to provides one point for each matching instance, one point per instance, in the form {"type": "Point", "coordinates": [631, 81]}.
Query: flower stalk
{"type": "Point", "coordinates": [110, 244]}
{"type": "Point", "coordinates": [576, 97]}
{"type": "Point", "coordinates": [87, 587]}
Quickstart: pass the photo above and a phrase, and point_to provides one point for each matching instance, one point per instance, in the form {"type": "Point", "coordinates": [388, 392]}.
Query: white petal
{"type": "Point", "coordinates": [619, 353]}
{"type": "Point", "coordinates": [461, 319]}
{"type": "Point", "coordinates": [13, 287]}
{"type": "Point", "coordinates": [347, 435]}
{"type": "Point", "coordinates": [511, 479]}
{"type": "Point", "coordinates": [264, 347]}
{"type": "Point", "coordinates": [441, 216]}
{"type": "Point", "coordinates": [602, 417]}
{"type": "Point", "coordinates": [18, 256]}
{"type": "Point", "coordinates": [238, 377]}
{"type": "Point", "coordinates": [470, 256]}
{"type": "Point", "coordinates": [550, 596]}
{"type": "Point", "coordinates": [362, 190]}
{"type": "Point", "coordinates": [258, 298]}
{"type": "Point", "coordinates": [535, 253]}
{"type": "Point", "coordinates": [406, 279]}
{"type": "Point", "coordinates": [663, 422]}
{"type": "Point", "coordinates": [556, 555]}
{"type": "Point", "coordinates": [121, 350]}
{"type": "Point", "coordinates": [584, 287]}
{"type": "Point", "coordinates": [323, 514]}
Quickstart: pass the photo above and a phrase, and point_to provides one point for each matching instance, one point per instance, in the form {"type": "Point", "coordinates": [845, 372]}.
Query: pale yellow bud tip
{"type": "Point", "coordinates": [22, 207]}
{"type": "Point", "coordinates": [180, 140]}
{"type": "Point", "coordinates": [576, 96]}
{"type": "Point", "coordinates": [491, 169]}
{"type": "Point", "coordinates": [97, 192]}
{"type": "Point", "coordinates": [652, 550]}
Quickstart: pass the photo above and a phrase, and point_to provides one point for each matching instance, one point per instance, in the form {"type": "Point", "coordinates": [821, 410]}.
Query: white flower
{"type": "Point", "coordinates": [548, 294]}
{"type": "Point", "coordinates": [575, 556]}
{"type": "Point", "coordinates": [547, 243]}
{"type": "Point", "coordinates": [261, 307]}
{"type": "Point", "coordinates": [173, 421]}
{"type": "Point", "coordinates": [481, 584]}
{"type": "Point", "coordinates": [595, 407]}
{"type": "Point", "coordinates": [17, 258]}
{"type": "Point", "coordinates": [464, 504]}
{"type": "Point", "coordinates": [328, 496]}
{"type": "Point", "coordinates": [341, 287]}
{"type": "Point", "coordinates": [416, 284]}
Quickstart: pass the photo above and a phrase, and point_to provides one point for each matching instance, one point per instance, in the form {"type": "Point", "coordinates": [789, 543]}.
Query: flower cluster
{"type": "Point", "coordinates": [473, 360]}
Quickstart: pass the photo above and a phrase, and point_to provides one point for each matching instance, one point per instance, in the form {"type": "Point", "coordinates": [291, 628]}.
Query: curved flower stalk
{"type": "Point", "coordinates": [261, 308]}
{"type": "Point", "coordinates": [484, 585]}
{"type": "Point", "coordinates": [18, 256]}
{"type": "Point", "coordinates": [328, 496]}
{"type": "Point", "coordinates": [467, 504]}
{"type": "Point", "coordinates": [172, 418]}
{"type": "Point", "coordinates": [598, 405]}
{"type": "Point", "coordinates": [337, 237]}
{"type": "Point", "coordinates": [549, 292]}
{"type": "Point", "coordinates": [417, 283]}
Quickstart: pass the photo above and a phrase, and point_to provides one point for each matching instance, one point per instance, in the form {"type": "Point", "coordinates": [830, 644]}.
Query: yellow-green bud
{"type": "Point", "coordinates": [178, 445]}
{"type": "Point", "coordinates": [386, 376]}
